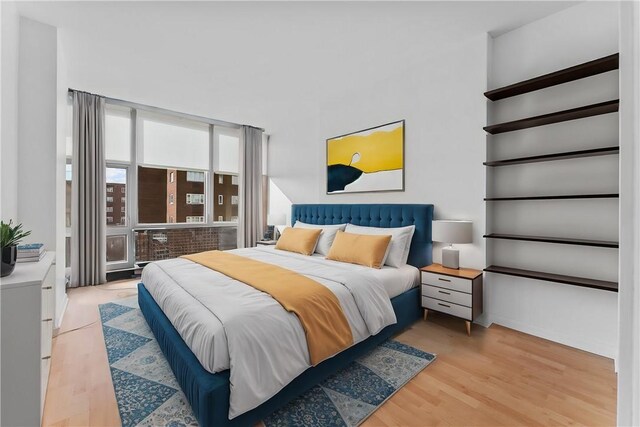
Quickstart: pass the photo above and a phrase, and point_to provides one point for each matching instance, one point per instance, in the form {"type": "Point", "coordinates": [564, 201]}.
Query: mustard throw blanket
{"type": "Point", "coordinates": [325, 325]}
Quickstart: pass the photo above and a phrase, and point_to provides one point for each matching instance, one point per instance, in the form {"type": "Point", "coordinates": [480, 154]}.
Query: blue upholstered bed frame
{"type": "Point", "coordinates": [208, 393]}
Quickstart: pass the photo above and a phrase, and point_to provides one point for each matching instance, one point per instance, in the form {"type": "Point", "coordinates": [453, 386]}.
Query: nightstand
{"type": "Point", "coordinates": [266, 242]}
{"type": "Point", "coordinates": [451, 291]}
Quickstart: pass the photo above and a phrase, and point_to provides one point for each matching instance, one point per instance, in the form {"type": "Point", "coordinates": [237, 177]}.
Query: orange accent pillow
{"type": "Point", "coordinates": [299, 240]}
{"type": "Point", "coordinates": [364, 249]}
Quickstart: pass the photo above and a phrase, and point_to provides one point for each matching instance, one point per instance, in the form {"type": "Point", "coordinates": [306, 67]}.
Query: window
{"type": "Point", "coordinates": [195, 199]}
{"type": "Point", "coordinates": [68, 195]}
{"type": "Point", "coordinates": [226, 143]}
{"type": "Point", "coordinates": [186, 172]}
{"type": "Point", "coordinates": [195, 219]}
{"type": "Point", "coordinates": [162, 201]}
{"type": "Point", "coordinates": [116, 248]}
{"type": "Point", "coordinates": [227, 207]}
{"type": "Point", "coordinates": [195, 176]}
{"type": "Point", "coordinates": [117, 182]}
{"type": "Point", "coordinates": [171, 141]}
{"type": "Point", "coordinates": [226, 149]}
{"type": "Point", "coordinates": [117, 133]}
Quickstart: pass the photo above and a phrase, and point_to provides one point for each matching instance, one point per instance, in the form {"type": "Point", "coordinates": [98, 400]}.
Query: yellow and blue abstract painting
{"type": "Point", "coordinates": [368, 160]}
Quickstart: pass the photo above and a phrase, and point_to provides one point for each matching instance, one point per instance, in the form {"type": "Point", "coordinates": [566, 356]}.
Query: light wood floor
{"type": "Point", "coordinates": [496, 377]}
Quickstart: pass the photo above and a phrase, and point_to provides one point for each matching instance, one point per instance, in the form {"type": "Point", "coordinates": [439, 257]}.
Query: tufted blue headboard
{"type": "Point", "coordinates": [376, 215]}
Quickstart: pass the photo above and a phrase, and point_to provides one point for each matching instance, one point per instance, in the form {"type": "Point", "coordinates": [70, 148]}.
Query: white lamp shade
{"type": "Point", "coordinates": [276, 219]}
{"type": "Point", "coordinates": [451, 231]}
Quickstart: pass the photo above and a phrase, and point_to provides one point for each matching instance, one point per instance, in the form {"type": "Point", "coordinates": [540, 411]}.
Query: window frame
{"type": "Point", "coordinates": [126, 229]}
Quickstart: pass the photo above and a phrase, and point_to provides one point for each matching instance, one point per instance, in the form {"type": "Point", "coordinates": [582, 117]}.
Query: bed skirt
{"type": "Point", "coordinates": [208, 393]}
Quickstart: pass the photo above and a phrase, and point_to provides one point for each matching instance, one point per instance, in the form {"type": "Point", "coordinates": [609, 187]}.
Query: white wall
{"type": "Point", "coordinates": [629, 301]}
{"type": "Point", "coordinates": [62, 131]}
{"type": "Point", "coordinates": [37, 131]}
{"type": "Point", "coordinates": [579, 317]}
{"type": "Point", "coordinates": [440, 98]}
{"type": "Point", "coordinates": [9, 132]}
{"type": "Point", "coordinates": [40, 201]}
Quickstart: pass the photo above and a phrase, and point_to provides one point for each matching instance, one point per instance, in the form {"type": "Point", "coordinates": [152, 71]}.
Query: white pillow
{"type": "Point", "coordinates": [398, 250]}
{"type": "Point", "coordinates": [326, 236]}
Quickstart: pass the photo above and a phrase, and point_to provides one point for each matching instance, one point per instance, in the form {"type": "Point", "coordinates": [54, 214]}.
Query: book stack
{"type": "Point", "coordinates": [32, 252]}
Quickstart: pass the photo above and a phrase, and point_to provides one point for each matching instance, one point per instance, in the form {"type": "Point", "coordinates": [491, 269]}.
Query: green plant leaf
{"type": "Point", "coordinates": [11, 235]}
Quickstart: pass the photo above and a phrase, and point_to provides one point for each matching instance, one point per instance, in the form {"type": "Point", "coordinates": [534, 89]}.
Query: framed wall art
{"type": "Point", "coordinates": [367, 160]}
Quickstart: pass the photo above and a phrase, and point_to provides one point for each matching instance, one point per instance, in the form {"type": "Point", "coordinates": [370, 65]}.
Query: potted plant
{"type": "Point", "coordinates": [10, 236]}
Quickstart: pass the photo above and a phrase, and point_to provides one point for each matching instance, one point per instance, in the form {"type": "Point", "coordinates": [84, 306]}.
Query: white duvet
{"type": "Point", "coordinates": [230, 325]}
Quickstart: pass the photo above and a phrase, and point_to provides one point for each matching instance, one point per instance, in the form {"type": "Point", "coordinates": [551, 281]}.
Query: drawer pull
{"type": "Point", "coordinates": [47, 320]}
{"type": "Point", "coordinates": [444, 305]}
{"type": "Point", "coordinates": [46, 357]}
{"type": "Point", "coordinates": [47, 287]}
{"type": "Point", "coordinates": [446, 293]}
{"type": "Point", "coordinates": [444, 280]}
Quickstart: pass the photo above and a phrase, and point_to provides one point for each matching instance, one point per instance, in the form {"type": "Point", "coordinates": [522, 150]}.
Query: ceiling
{"type": "Point", "coordinates": [250, 61]}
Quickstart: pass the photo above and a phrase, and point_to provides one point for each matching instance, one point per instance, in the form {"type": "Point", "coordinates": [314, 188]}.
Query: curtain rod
{"type": "Point", "coordinates": [165, 110]}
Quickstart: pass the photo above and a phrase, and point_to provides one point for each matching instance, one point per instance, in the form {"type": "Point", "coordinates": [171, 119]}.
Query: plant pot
{"type": "Point", "coordinates": [9, 255]}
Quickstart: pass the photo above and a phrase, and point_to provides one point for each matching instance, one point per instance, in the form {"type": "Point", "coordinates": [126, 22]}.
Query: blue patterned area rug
{"type": "Point", "coordinates": [149, 395]}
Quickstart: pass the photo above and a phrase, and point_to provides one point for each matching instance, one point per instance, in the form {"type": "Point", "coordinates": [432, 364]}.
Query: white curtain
{"type": "Point", "coordinates": [88, 192]}
{"type": "Point", "coordinates": [250, 204]}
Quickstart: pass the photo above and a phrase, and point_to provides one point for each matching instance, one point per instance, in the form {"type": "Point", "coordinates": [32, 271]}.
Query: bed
{"type": "Point", "coordinates": [208, 393]}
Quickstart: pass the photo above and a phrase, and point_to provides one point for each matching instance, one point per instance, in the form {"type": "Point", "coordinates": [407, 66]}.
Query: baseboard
{"type": "Point", "coordinates": [59, 317]}
{"type": "Point", "coordinates": [591, 346]}
{"type": "Point", "coordinates": [483, 320]}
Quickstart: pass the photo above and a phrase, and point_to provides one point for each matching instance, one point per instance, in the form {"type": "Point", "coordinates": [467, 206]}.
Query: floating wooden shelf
{"type": "Point", "coordinates": [605, 151]}
{"type": "Point", "coordinates": [562, 197]}
{"type": "Point", "coordinates": [557, 117]}
{"type": "Point", "coordinates": [547, 239]}
{"type": "Point", "coordinates": [588, 69]}
{"type": "Point", "coordinates": [558, 278]}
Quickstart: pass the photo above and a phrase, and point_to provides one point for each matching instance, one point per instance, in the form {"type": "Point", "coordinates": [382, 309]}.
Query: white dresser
{"type": "Point", "coordinates": [26, 322]}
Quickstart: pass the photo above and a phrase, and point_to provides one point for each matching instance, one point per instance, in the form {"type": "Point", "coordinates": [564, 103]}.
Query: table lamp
{"type": "Point", "coordinates": [275, 220]}
{"type": "Point", "coordinates": [451, 231]}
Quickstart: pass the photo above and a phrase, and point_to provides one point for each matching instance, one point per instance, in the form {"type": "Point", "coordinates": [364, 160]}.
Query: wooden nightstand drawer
{"type": "Point", "coordinates": [447, 295]}
{"type": "Point", "coordinates": [448, 282]}
{"type": "Point", "coordinates": [447, 307]}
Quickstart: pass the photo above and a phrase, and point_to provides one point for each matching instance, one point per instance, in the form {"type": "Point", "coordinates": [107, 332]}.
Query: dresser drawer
{"type": "Point", "coordinates": [448, 295]}
{"type": "Point", "coordinates": [447, 307]}
{"type": "Point", "coordinates": [448, 282]}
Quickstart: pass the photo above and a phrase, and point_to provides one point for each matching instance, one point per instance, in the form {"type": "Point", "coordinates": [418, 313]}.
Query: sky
{"type": "Point", "coordinates": [114, 175]}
